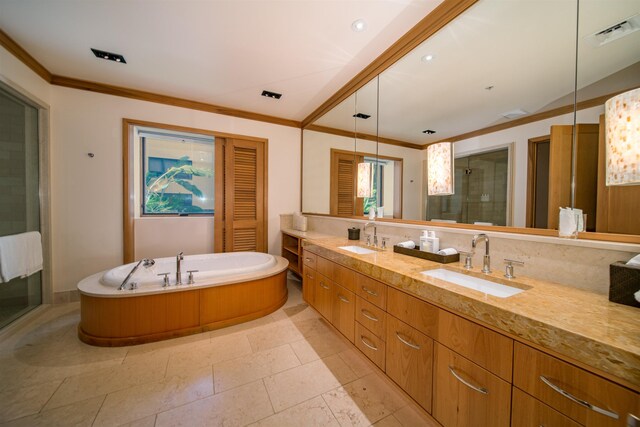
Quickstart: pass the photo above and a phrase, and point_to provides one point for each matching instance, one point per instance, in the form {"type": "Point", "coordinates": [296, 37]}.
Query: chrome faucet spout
{"type": "Point", "coordinates": [486, 264]}
{"type": "Point", "coordinates": [179, 258]}
{"type": "Point", "coordinates": [146, 264]}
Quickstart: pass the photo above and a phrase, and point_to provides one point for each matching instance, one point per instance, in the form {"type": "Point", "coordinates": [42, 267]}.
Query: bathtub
{"type": "Point", "coordinates": [228, 288]}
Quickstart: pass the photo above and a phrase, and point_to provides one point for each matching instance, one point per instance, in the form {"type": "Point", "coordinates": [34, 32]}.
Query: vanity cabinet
{"type": "Point", "coordinates": [530, 412]}
{"type": "Point", "coordinates": [371, 290]}
{"type": "Point", "coordinates": [563, 386]}
{"type": "Point", "coordinates": [371, 317]}
{"type": "Point", "coordinates": [309, 286]}
{"type": "Point", "coordinates": [292, 251]}
{"type": "Point", "coordinates": [323, 296]}
{"type": "Point", "coordinates": [344, 309]}
{"type": "Point", "coordinates": [467, 394]}
{"type": "Point", "coordinates": [371, 345]}
{"type": "Point", "coordinates": [409, 360]}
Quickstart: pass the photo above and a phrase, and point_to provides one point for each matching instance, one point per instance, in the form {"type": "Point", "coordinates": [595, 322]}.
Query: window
{"type": "Point", "coordinates": [177, 173]}
{"type": "Point", "coordinates": [377, 190]}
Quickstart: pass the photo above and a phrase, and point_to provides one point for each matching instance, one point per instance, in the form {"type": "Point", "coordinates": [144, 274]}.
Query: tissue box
{"type": "Point", "coordinates": [624, 281]}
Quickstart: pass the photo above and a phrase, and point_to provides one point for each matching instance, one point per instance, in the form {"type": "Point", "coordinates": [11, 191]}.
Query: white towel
{"type": "Point", "coordinates": [409, 244]}
{"type": "Point", "coordinates": [447, 251]}
{"type": "Point", "coordinates": [20, 255]}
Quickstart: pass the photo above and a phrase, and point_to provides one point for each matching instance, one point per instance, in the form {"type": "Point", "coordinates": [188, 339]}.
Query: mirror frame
{"type": "Point", "coordinates": [444, 13]}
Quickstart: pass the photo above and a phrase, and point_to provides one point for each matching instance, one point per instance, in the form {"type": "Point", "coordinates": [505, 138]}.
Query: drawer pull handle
{"type": "Point", "coordinates": [369, 315]}
{"type": "Point", "coordinates": [369, 291]}
{"type": "Point", "coordinates": [343, 299]}
{"type": "Point", "coordinates": [406, 342]}
{"type": "Point", "coordinates": [467, 383]}
{"type": "Point", "coordinates": [323, 286]}
{"type": "Point", "coordinates": [579, 401]}
{"type": "Point", "coordinates": [308, 259]}
{"type": "Point", "coordinates": [371, 346]}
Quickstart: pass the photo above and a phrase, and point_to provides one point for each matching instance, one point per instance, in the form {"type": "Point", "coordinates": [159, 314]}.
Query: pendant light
{"type": "Point", "coordinates": [440, 169]}
{"type": "Point", "coordinates": [364, 180]}
{"type": "Point", "coordinates": [622, 131]}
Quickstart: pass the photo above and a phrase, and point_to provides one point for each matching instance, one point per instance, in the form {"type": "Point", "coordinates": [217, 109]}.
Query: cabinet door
{"type": "Point", "coordinates": [466, 394]}
{"type": "Point", "coordinates": [309, 286]}
{"type": "Point", "coordinates": [323, 296]}
{"type": "Point", "coordinates": [409, 360]}
{"type": "Point", "coordinates": [530, 412]}
{"type": "Point", "coordinates": [582, 396]}
{"type": "Point", "coordinates": [344, 310]}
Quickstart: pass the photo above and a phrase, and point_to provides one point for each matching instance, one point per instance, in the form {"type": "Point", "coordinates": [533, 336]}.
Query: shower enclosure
{"type": "Point", "coordinates": [20, 195]}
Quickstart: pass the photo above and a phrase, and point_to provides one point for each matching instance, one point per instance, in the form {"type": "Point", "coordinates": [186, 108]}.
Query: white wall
{"type": "Point", "coordinates": [87, 192]}
{"type": "Point", "coordinates": [317, 166]}
{"type": "Point", "coordinates": [520, 136]}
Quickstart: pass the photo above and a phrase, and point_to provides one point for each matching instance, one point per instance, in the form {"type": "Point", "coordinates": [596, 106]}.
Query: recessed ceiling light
{"type": "Point", "coordinates": [514, 114]}
{"type": "Point", "coordinates": [359, 25]}
{"type": "Point", "coordinates": [429, 131]}
{"type": "Point", "coordinates": [489, 87]}
{"type": "Point", "coordinates": [108, 56]}
{"type": "Point", "coordinates": [428, 57]}
{"type": "Point", "coordinates": [270, 94]}
{"type": "Point", "coordinates": [361, 116]}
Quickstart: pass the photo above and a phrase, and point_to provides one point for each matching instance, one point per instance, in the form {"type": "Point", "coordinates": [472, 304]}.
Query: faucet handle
{"type": "Point", "coordinates": [467, 259]}
{"type": "Point", "coordinates": [508, 270]}
{"type": "Point", "coordinates": [368, 239]}
{"type": "Point", "coordinates": [166, 279]}
{"type": "Point", "coordinates": [384, 242]}
{"type": "Point", "coordinates": [191, 282]}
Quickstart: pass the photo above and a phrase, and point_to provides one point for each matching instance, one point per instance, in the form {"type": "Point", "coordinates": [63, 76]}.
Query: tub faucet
{"type": "Point", "coordinates": [375, 235]}
{"type": "Point", "coordinates": [179, 258]}
{"type": "Point", "coordinates": [486, 263]}
{"type": "Point", "coordinates": [146, 263]}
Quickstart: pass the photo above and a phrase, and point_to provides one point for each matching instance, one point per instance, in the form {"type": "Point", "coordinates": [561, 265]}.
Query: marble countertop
{"type": "Point", "coordinates": [304, 234]}
{"type": "Point", "coordinates": [583, 326]}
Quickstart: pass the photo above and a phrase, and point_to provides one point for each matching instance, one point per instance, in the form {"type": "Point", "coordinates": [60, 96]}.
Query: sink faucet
{"type": "Point", "coordinates": [375, 235]}
{"type": "Point", "coordinates": [146, 264]}
{"type": "Point", "coordinates": [179, 258]}
{"type": "Point", "coordinates": [486, 264]}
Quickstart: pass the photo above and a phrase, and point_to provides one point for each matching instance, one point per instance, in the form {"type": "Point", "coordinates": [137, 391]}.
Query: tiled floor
{"type": "Point", "coordinates": [286, 369]}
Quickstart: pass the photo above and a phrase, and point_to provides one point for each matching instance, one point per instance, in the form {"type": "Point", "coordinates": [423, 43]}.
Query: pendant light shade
{"type": "Point", "coordinates": [622, 129]}
{"type": "Point", "coordinates": [364, 180]}
{"type": "Point", "coordinates": [440, 169]}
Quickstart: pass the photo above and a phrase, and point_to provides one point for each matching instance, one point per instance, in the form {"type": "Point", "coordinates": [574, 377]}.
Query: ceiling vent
{"type": "Point", "coordinates": [429, 131]}
{"type": "Point", "coordinates": [273, 95]}
{"type": "Point", "coordinates": [514, 114]}
{"type": "Point", "coordinates": [362, 116]}
{"type": "Point", "coordinates": [615, 31]}
{"type": "Point", "coordinates": [108, 56]}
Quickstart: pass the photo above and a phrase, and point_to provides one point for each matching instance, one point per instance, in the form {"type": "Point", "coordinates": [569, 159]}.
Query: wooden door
{"type": "Point", "coordinates": [409, 360]}
{"type": "Point", "coordinates": [618, 206]}
{"type": "Point", "coordinates": [343, 200]}
{"type": "Point", "coordinates": [241, 196]}
{"type": "Point", "coordinates": [344, 309]}
{"type": "Point", "coordinates": [466, 394]}
{"type": "Point", "coordinates": [323, 296]}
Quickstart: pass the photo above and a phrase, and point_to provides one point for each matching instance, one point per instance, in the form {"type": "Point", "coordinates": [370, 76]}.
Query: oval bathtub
{"type": "Point", "coordinates": [229, 288]}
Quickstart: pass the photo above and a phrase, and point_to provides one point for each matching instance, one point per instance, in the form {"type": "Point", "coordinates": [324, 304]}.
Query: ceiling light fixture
{"type": "Point", "coordinates": [440, 169]}
{"type": "Point", "coordinates": [361, 116]}
{"type": "Point", "coordinates": [428, 58]}
{"type": "Point", "coordinates": [359, 25]}
{"type": "Point", "coordinates": [365, 182]}
{"type": "Point", "coordinates": [622, 136]}
{"type": "Point", "coordinates": [429, 131]}
{"type": "Point", "coordinates": [108, 56]}
{"type": "Point", "coordinates": [273, 95]}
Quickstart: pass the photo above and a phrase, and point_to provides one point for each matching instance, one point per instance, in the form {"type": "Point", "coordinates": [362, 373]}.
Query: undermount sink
{"type": "Point", "coordinates": [475, 283]}
{"type": "Point", "coordinates": [357, 249]}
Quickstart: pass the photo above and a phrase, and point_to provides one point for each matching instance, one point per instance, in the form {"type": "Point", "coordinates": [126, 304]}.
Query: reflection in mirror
{"type": "Point", "coordinates": [494, 78]}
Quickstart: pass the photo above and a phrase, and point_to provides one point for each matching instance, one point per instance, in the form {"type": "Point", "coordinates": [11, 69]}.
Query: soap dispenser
{"type": "Point", "coordinates": [425, 244]}
{"type": "Point", "coordinates": [435, 242]}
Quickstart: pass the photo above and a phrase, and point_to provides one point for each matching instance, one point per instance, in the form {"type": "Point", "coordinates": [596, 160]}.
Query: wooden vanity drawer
{"type": "Point", "coordinates": [530, 412]}
{"type": "Point", "coordinates": [481, 345]}
{"type": "Point", "coordinates": [414, 312]}
{"type": "Point", "coordinates": [372, 346]}
{"type": "Point", "coordinates": [371, 317]}
{"type": "Point", "coordinates": [337, 273]}
{"type": "Point", "coordinates": [546, 378]}
{"type": "Point", "coordinates": [371, 290]}
{"type": "Point", "coordinates": [309, 259]}
{"type": "Point", "coordinates": [344, 310]}
{"type": "Point", "coordinates": [466, 394]}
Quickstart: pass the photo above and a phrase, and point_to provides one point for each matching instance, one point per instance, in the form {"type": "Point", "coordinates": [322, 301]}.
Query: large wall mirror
{"type": "Point", "coordinates": [499, 81]}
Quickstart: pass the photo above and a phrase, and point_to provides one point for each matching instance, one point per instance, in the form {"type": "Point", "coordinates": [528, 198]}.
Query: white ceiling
{"type": "Point", "coordinates": [223, 52]}
{"type": "Point", "coordinates": [525, 49]}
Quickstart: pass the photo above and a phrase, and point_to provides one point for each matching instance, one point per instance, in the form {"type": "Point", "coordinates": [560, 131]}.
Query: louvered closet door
{"type": "Point", "coordinates": [243, 223]}
{"type": "Point", "coordinates": [343, 184]}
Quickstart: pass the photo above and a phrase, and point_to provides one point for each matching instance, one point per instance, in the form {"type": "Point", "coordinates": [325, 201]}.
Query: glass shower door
{"type": "Point", "coordinates": [20, 200]}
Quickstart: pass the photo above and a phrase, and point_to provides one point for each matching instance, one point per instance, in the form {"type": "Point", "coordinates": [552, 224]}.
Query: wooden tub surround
{"type": "Point", "coordinates": [113, 320]}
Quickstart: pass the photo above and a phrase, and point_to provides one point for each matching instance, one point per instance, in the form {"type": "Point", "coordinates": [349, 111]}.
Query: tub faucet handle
{"type": "Point", "coordinates": [166, 279]}
{"type": "Point", "coordinates": [191, 281]}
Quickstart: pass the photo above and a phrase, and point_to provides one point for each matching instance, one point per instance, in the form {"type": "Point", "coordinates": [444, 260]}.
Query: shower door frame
{"type": "Point", "coordinates": [44, 182]}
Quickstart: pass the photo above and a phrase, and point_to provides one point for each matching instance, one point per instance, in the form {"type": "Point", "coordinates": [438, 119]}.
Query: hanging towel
{"type": "Point", "coordinates": [20, 255]}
